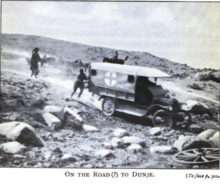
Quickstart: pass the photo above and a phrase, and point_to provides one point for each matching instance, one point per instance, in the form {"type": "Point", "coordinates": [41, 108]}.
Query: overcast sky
{"type": "Point", "coordinates": [183, 32]}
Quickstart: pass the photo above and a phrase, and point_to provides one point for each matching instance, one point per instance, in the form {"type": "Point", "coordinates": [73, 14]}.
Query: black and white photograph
{"type": "Point", "coordinates": [110, 85]}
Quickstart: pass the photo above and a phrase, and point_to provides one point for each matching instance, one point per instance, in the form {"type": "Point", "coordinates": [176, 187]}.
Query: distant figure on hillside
{"type": "Point", "coordinates": [79, 82]}
{"type": "Point", "coordinates": [115, 58]}
{"type": "Point", "coordinates": [113, 61]}
{"type": "Point", "coordinates": [34, 62]}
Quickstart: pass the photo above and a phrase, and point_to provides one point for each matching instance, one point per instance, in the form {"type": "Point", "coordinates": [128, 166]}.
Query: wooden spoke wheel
{"type": "Point", "coordinates": [197, 156]}
{"type": "Point", "coordinates": [183, 119]}
{"type": "Point", "coordinates": [162, 119]}
{"type": "Point", "coordinates": [108, 106]}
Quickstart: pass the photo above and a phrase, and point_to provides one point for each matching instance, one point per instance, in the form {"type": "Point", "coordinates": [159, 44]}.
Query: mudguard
{"type": "Point", "coordinates": [155, 108]}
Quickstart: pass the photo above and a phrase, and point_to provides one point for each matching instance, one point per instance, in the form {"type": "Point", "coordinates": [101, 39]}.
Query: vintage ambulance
{"type": "Point", "coordinates": [134, 90]}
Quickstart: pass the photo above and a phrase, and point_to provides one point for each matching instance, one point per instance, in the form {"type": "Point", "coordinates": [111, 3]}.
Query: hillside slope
{"type": "Point", "coordinates": [23, 44]}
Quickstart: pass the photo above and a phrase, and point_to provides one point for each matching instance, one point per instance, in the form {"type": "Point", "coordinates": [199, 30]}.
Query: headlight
{"type": "Point", "coordinates": [170, 108]}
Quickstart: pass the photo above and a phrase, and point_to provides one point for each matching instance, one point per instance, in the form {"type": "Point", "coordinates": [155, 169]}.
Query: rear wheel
{"type": "Point", "coordinates": [108, 106]}
{"type": "Point", "coordinates": [162, 119]}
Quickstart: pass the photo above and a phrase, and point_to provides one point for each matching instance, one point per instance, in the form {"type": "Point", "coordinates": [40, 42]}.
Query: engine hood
{"type": "Point", "coordinates": [157, 91]}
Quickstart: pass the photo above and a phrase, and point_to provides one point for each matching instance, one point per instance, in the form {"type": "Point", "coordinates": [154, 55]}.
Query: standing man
{"type": "Point", "coordinates": [34, 62]}
{"type": "Point", "coordinates": [80, 82]}
{"type": "Point", "coordinates": [116, 56]}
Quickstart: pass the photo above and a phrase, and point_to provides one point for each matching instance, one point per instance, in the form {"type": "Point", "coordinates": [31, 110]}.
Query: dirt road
{"type": "Point", "coordinates": [78, 143]}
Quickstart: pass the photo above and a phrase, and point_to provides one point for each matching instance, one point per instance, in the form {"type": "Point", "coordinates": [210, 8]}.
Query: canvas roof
{"type": "Point", "coordinates": [130, 70]}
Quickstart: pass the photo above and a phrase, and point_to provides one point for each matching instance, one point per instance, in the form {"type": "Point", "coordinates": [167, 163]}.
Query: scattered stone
{"type": "Point", "coordinates": [133, 140]}
{"type": "Point", "coordinates": [107, 145]}
{"type": "Point", "coordinates": [57, 150]}
{"type": "Point", "coordinates": [196, 107]}
{"type": "Point", "coordinates": [120, 133]}
{"type": "Point", "coordinates": [52, 121]}
{"type": "Point", "coordinates": [73, 113]}
{"type": "Point", "coordinates": [89, 128]}
{"type": "Point", "coordinates": [195, 86]}
{"type": "Point", "coordinates": [18, 156]}
{"type": "Point", "coordinates": [195, 167]}
{"type": "Point", "coordinates": [56, 111]}
{"type": "Point", "coordinates": [155, 131]}
{"type": "Point", "coordinates": [12, 147]}
{"type": "Point", "coordinates": [163, 149]}
{"type": "Point", "coordinates": [138, 127]}
{"type": "Point", "coordinates": [68, 158]}
{"type": "Point", "coordinates": [89, 166]}
{"type": "Point", "coordinates": [160, 138]}
{"type": "Point", "coordinates": [47, 155]}
{"type": "Point", "coordinates": [116, 143]}
{"type": "Point", "coordinates": [170, 133]}
{"type": "Point", "coordinates": [66, 132]}
{"type": "Point", "coordinates": [39, 103]}
{"type": "Point", "coordinates": [48, 134]}
{"type": "Point", "coordinates": [58, 137]}
{"type": "Point", "coordinates": [104, 153]}
{"type": "Point", "coordinates": [135, 148]}
{"type": "Point", "coordinates": [214, 140]}
{"type": "Point", "coordinates": [108, 166]}
{"type": "Point", "coordinates": [21, 132]}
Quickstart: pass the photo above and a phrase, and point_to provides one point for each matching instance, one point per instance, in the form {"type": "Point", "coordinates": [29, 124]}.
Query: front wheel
{"type": "Point", "coordinates": [108, 106]}
{"type": "Point", "coordinates": [162, 119]}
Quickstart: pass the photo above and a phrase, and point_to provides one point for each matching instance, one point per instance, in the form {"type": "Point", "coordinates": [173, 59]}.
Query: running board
{"type": "Point", "coordinates": [133, 111]}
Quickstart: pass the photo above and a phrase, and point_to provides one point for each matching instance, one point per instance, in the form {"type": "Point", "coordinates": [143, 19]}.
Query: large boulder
{"type": "Point", "coordinates": [196, 107]}
{"type": "Point", "coordinates": [12, 147]}
{"type": "Point", "coordinates": [206, 135]}
{"type": "Point", "coordinates": [52, 121]}
{"type": "Point", "coordinates": [21, 132]}
{"type": "Point", "coordinates": [214, 140]}
{"type": "Point", "coordinates": [197, 143]}
{"type": "Point", "coordinates": [203, 76]}
{"type": "Point", "coordinates": [216, 76]}
{"type": "Point", "coordinates": [55, 110]}
{"type": "Point", "coordinates": [181, 141]}
{"type": "Point", "coordinates": [206, 139]}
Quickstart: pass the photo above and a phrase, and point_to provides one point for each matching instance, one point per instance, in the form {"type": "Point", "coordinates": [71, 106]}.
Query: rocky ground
{"type": "Point", "coordinates": [23, 99]}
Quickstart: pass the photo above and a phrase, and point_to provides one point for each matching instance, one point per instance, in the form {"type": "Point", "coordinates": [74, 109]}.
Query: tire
{"type": "Point", "coordinates": [108, 106]}
{"type": "Point", "coordinates": [162, 119]}
{"type": "Point", "coordinates": [183, 119]}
